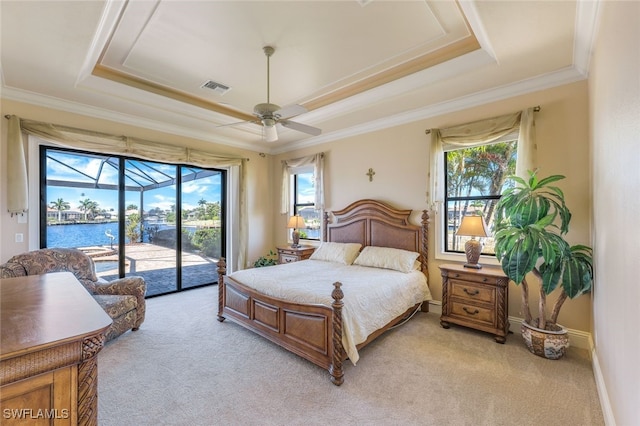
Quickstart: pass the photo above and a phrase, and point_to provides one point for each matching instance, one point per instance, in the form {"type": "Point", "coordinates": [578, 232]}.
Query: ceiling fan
{"type": "Point", "coordinates": [271, 114]}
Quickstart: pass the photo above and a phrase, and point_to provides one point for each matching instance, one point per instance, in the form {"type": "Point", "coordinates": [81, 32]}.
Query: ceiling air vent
{"type": "Point", "coordinates": [219, 88]}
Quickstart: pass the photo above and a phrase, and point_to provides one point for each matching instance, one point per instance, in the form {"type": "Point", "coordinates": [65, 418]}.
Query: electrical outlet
{"type": "Point", "coordinates": [19, 238]}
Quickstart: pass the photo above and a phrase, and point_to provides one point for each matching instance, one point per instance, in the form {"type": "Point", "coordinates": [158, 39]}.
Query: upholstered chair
{"type": "Point", "coordinates": [122, 299]}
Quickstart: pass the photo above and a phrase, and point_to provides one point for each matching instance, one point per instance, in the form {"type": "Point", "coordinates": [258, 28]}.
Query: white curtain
{"type": "Point", "coordinates": [475, 134]}
{"type": "Point", "coordinates": [17, 184]}
{"type": "Point", "coordinates": [317, 160]}
{"type": "Point", "coordinates": [526, 159]}
{"type": "Point", "coordinates": [148, 150]}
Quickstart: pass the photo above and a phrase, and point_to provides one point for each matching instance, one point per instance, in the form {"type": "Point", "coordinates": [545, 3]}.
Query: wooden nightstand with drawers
{"type": "Point", "coordinates": [476, 298]}
{"type": "Point", "coordinates": [288, 254]}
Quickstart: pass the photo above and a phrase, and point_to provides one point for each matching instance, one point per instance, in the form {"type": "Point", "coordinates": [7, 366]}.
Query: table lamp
{"type": "Point", "coordinates": [472, 226]}
{"type": "Point", "coordinates": [296, 222]}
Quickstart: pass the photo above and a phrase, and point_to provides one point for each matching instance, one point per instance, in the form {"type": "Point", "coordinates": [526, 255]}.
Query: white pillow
{"type": "Point", "coordinates": [337, 252]}
{"type": "Point", "coordinates": [387, 258]}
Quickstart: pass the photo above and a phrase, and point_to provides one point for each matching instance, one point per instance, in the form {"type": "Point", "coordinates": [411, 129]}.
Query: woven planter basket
{"type": "Point", "coordinates": [550, 344]}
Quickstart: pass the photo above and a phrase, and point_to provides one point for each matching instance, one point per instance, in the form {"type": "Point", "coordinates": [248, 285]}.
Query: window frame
{"type": "Point", "coordinates": [442, 224]}
{"type": "Point", "coordinates": [38, 228]}
{"type": "Point", "coordinates": [295, 205]}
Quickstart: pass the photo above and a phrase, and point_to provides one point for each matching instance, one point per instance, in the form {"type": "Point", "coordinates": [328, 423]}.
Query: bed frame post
{"type": "Point", "coordinates": [424, 242]}
{"type": "Point", "coordinates": [337, 374]}
{"type": "Point", "coordinates": [325, 222]}
{"type": "Point", "coordinates": [424, 248]}
{"type": "Point", "coordinates": [222, 271]}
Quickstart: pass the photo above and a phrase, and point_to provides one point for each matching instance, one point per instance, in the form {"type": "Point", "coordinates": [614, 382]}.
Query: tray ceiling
{"type": "Point", "coordinates": [354, 65]}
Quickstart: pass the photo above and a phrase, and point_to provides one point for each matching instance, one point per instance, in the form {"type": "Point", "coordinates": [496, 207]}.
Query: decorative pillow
{"type": "Point", "coordinates": [388, 258]}
{"type": "Point", "coordinates": [337, 252]}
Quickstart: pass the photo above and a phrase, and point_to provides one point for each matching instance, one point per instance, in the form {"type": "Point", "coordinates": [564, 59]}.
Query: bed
{"type": "Point", "coordinates": [323, 325]}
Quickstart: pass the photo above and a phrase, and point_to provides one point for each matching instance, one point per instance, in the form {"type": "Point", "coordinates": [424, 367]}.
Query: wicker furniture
{"type": "Point", "coordinates": [122, 299]}
{"type": "Point", "coordinates": [476, 298]}
{"type": "Point", "coordinates": [314, 332]}
{"type": "Point", "coordinates": [51, 333]}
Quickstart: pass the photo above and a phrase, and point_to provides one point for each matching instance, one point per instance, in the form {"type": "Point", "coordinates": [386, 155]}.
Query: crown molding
{"type": "Point", "coordinates": [587, 20]}
{"type": "Point", "coordinates": [104, 114]}
{"type": "Point", "coordinates": [558, 78]}
{"type": "Point", "coordinates": [547, 81]}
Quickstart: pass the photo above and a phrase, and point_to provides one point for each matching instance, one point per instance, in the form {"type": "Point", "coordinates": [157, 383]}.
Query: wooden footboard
{"type": "Point", "coordinates": [313, 332]}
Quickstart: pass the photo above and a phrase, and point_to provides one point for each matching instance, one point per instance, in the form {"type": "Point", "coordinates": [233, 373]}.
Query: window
{"type": "Point", "coordinates": [303, 204]}
{"type": "Point", "coordinates": [164, 222]}
{"type": "Point", "coordinates": [474, 179]}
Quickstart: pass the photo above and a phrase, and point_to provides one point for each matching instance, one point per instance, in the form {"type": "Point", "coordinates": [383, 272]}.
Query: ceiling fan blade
{"type": "Point", "coordinates": [289, 111]}
{"type": "Point", "coordinates": [301, 127]}
{"type": "Point", "coordinates": [237, 123]}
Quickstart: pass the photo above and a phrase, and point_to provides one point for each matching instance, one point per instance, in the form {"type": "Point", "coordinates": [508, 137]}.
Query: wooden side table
{"type": "Point", "coordinates": [476, 298]}
{"type": "Point", "coordinates": [288, 254]}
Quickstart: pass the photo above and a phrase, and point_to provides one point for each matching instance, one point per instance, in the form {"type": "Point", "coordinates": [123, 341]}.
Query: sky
{"type": "Point", "coordinates": [61, 165]}
{"type": "Point", "coordinates": [306, 192]}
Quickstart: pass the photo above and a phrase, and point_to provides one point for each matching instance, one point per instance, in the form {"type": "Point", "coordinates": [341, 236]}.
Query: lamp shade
{"type": "Point", "coordinates": [473, 226]}
{"type": "Point", "coordinates": [296, 222]}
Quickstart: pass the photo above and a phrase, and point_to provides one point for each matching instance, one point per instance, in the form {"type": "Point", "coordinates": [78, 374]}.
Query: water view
{"type": "Point", "coordinates": [97, 234]}
{"type": "Point", "coordinates": [82, 235]}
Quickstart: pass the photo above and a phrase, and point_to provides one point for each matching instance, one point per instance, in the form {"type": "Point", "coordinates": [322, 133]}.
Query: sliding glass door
{"type": "Point", "coordinates": [202, 239]}
{"type": "Point", "coordinates": [133, 217]}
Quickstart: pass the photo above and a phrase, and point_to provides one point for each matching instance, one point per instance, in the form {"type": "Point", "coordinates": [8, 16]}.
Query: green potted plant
{"type": "Point", "coordinates": [267, 260]}
{"type": "Point", "coordinates": [530, 224]}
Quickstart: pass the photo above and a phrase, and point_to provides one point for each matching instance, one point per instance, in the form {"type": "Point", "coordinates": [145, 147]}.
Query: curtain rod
{"type": "Point", "coordinates": [535, 109]}
{"type": "Point", "coordinates": [8, 116]}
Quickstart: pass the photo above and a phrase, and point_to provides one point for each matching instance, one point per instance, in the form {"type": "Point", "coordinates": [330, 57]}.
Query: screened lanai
{"type": "Point", "coordinates": [163, 222]}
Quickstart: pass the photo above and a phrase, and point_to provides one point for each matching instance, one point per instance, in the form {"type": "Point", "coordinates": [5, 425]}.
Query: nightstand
{"type": "Point", "coordinates": [288, 254]}
{"type": "Point", "coordinates": [476, 298]}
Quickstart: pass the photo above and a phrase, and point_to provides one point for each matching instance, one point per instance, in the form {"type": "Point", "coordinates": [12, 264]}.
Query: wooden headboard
{"type": "Point", "coordinates": [374, 223]}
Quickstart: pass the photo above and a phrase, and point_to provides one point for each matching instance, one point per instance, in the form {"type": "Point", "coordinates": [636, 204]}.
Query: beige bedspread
{"type": "Point", "coordinates": [372, 296]}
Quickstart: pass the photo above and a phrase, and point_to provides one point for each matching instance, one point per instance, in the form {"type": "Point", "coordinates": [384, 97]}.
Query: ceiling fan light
{"type": "Point", "coordinates": [270, 133]}
{"type": "Point", "coordinates": [268, 122]}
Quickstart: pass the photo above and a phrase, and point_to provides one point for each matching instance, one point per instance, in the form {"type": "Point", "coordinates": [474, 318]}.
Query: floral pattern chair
{"type": "Point", "coordinates": [122, 299]}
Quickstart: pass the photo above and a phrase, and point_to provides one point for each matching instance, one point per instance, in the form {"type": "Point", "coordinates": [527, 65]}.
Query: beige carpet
{"type": "Point", "coordinates": [185, 368]}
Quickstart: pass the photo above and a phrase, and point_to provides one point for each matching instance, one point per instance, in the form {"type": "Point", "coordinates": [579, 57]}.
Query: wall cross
{"type": "Point", "coordinates": [370, 173]}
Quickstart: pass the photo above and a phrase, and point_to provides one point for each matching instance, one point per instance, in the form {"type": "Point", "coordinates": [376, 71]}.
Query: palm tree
{"type": "Point", "coordinates": [87, 206]}
{"type": "Point", "coordinates": [59, 205]}
{"type": "Point", "coordinates": [500, 162]}
{"type": "Point", "coordinates": [201, 213]}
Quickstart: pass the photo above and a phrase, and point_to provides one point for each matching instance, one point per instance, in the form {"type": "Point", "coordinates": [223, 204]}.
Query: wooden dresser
{"type": "Point", "coordinates": [476, 298]}
{"type": "Point", "coordinates": [51, 333]}
{"type": "Point", "coordinates": [288, 254]}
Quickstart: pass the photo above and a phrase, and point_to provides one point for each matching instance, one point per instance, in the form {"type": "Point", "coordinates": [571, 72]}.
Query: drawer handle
{"type": "Point", "coordinates": [485, 280]}
{"type": "Point", "coordinates": [471, 293]}
{"type": "Point", "coordinates": [469, 311]}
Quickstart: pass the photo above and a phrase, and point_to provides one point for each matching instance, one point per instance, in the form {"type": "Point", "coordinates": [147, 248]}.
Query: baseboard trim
{"type": "Point", "coordinates": [603, 395]}
{"type": "Point", "coordinates": [435, 307]}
